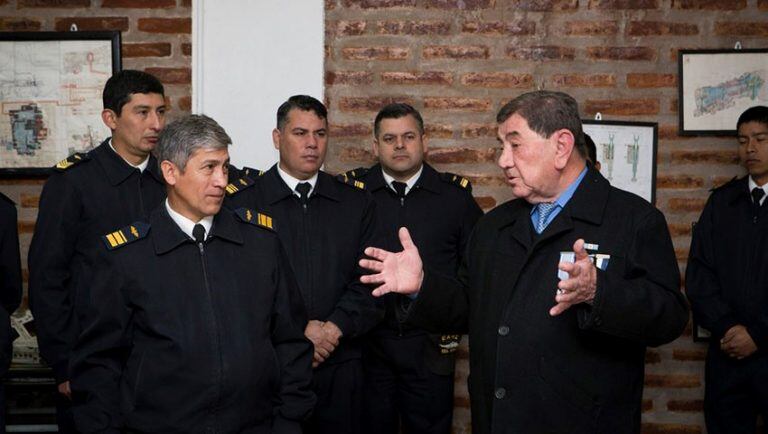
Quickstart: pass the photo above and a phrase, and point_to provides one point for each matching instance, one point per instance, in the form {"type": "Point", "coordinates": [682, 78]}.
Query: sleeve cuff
{"type": "Point", "coordinates": [342, 321]}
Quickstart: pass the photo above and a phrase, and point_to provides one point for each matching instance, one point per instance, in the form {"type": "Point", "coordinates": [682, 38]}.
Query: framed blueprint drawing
{"type": "Point", "coordinates": [50, 96]}
{"type": "Point", "coordinates": [627, 154]}
{"type": "Point", "coordinates": [716, 86]}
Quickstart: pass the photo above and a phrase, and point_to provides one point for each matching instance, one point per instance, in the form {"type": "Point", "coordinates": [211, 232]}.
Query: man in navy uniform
{"type": "Point", "coordinates": [727, 284]}
{"type": "Point", "coordinates": [324, 224]}
{"type": "Point", "coordinates": [194, 322]}
{"type": "Point", "coordinates": [86, 195]}
{"type": "Point", "coordinates": [409, 372]}
{"type": "Point", "coordinates": [561, 289]}
{"type": "Point", "coordinates": [10, 289]}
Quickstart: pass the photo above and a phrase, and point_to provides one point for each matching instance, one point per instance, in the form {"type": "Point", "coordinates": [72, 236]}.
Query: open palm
{"type": "Point", "coordinates": [400, 272]}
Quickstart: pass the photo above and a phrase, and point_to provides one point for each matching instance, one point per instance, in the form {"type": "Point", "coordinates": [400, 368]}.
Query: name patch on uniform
{"type": "Point", "coordinates": [126, 235]}
{"type": "Point", "coordinates": [449, 343]}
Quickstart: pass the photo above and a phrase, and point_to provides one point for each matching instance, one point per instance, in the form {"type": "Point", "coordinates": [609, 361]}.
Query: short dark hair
{"type": "Point", "coordinates": [397, 110]}
{"type": "Point", "coordinates": [546, 112]}
{"type": "Point", "coordinates": [758, 113]}
{"type": "Point", "coordinates": [591, 149]}
{"type": "Point", "coordinates": [301, 102]}
{"type": "Point", "coordinates": [120, 87]}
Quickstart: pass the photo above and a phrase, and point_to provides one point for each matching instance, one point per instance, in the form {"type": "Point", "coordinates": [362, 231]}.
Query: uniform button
{"type": "Point", "coordinates": [500, 393]}
{"type": "Point", "coordinates": [503, 330]}
{"type": "Point", "coordinates": [598, 321]}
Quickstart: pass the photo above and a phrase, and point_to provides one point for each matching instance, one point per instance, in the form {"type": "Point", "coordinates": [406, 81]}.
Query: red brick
{"type": "Point", "coordinates": [621, 53]}
{"type": "Point", "coordinates": [677, 381]}
{"type": "Point", "coordinates": [697, 355]}
{"type": "Point", "coordinates": [686, 204]}
{"type": "Point", "coordinates": [21, 181]}
{"type": "Point", "coordinates": [544, 5]}
{"type": "Point", "coordinates": [185, 103]}
{"type": "Point", "coordinates": [165, 25]}
{"type": "Point", "coordinates": [494, 181]}
{"type": "Point", "coordinates": [652, 357]}
{"type": "Point", "coordinates": [439, 131]}
{"type": "Point", "coordinates": [485, 202]}
{"type": "Point", "coordinates": [155, 49]}
{"type": "Point", "coordinates": [714, 5]}
{"type": "Point", "coordinates": [368, 104]}
{"type": "Point", "coordinates": [499, 28]}
{"type": "Point", "coordinates": [702, 156]}
{"type": "Point", "coordinates": [29, 200]}
{"type": "Point", "coordinates": [623, 107]}
{"type": "Point", "coordinates": [459, 4]}
{"type": "Point", "coordinates": [13, 24]}
{"type": "Point", "coordinates": [186, 3]}
{"type": "Point", "coordinates": [464, 52]}
{"type": "Point", "coordinates": [679, 229]}
{"type": "Point", "coordinates": [763, 6]}
{"type": "Point", "coordinates": [541, 53]}
{"type": "Point", "coordinates": [584, 80]}
{"type": "Point", "coordinates": [357, 156]}
{"type": "Point", "coordinates": [669, 428]}
{"type": "Point", "coordinates": [330, 5]}
{"type": "Point", "coordinates": [53, 3]}
{"type": "Point", "coordinates": [647, 405]}
{"type": "Point", "coordinates": [679, 181]}
{"type": "Point", "coordinates": [623, 4]}
{"type": "Point", "coordinates": [741, 29]}
{"type": "Point", "coordinates": [647, 80]}
{"type": "Point", "coordinates": [423, 78]}
{"type": "Point", "coordinates": [171, 75]}
{"type": "Point", "coordinates": [344, 28]}
{"type": "Point", "coordinates": [673, 106]}
{"type": "Point", "coordinates": [144, 4]}
{"type": "Point", "coordinates": [92, 23]}
{"type": "Point", "coordinates": [461, 401]}
{"type": "Point", "coordinates": [354, 78]}
{"type": "Point", "coordinates": [25, 227]}
{"type": "Point", "coordinates": [474, 131]}
{"type": "Point", "coordinates": [661, 28]}
{"type": "Point", "coordinates": [497, 80]}
{"type": "Point", "coordinates": [351, 130]}
{"type": "Point", "coordinates": [378, 4]}
{"type": "Point", "coordinates": [683, 405]}
{"type": "Point", "coordinates": [591, 28]}
{"type": "Point", "coordinates": [186, 48]}
{"type": "Point", "coordinates": [457, 103]}
{"type": "Point", "coordinates": [413, 27]}
{"type": "Point", "coordinates": [667, 132]}
{"type": "Point", "coordinates": [375, 53]}
{"type": "Point", "coordinates": [461, 155]}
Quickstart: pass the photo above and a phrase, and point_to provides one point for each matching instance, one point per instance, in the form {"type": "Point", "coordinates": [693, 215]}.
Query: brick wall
{"type": "Point", "coordinates": [459, 61]}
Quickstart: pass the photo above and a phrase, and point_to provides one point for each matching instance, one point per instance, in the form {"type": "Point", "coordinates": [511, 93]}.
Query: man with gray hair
{"type": "Point", "coordinates": [561, 289]}
{"type": "Point", "coordinates": [194, 321]}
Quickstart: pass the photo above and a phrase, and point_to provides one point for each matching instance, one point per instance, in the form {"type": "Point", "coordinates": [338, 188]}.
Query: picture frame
{"type": "Point", "coordinates": [716, 86]}
{"type": "Point", "coordinates": [627, 154]}
{"type": "Point", "coordinates": [50, 96]}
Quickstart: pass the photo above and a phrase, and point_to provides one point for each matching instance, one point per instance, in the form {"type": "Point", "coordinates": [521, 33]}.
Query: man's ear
{"type": "Point", "coordinates": [170, 172]}
{"type": "Point", "coordinates": [375, 147]}
{"type": "Point", "coordinates": [276, 135]}
{"type": "Point", "coordinates": [565, 144]}
{"type": "Point", "coordinates": [425, 143]}
{"type": "Point", "coordinates": [109, 118]}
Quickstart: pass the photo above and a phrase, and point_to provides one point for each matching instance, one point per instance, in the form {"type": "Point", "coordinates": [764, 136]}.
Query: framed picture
{"type": "Point", "coordinates": [716, 86]}
{"type": "Point", "coordinates": [626, 152]}
{"type": "Point", "coordinates": [50, 96]}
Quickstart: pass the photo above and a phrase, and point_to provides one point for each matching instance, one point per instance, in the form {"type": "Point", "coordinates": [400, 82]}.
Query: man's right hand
{"type": "Point", "coordinates": [65, 390]}
{"type": "Point", "coordinates": [400, 272]}
{"type": "Point", "coordinates": [324, 344]}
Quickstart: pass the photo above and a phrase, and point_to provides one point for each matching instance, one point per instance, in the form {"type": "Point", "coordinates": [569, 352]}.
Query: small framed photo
{"type": "Point", "coordinates": [50, 95]}
{"type": "Point", "coordinates": [626, 152]}
{"type": "Point", "coordinates": [716, 86]}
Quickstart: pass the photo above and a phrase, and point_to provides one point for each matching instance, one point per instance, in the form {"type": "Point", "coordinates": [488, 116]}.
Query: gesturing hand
{"type": "Point", "coordinates": [581, 284]}
{"type": "Point", "coordinates": [400, 272]}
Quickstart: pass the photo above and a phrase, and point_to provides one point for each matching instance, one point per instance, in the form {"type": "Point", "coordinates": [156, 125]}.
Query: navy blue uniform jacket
{"type": "Point", "coordinates": [10, 277]}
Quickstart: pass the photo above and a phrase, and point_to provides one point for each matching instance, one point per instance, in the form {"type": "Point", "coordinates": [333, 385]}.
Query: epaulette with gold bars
{"type": "Point", "coordinates": [126, 235]}
{"type": "Point", "coordinates": [253, 173]}
{"type": "Point", "coordinates": [255, 218]}
{"type": "Point", "coordinates": [238, 185]}
{"type": "Point", "coordinates": [344, 179]}
{"type": "Point", "coordinates": [71, 161]}
{"type": "Point", "coordinates": [355, 173]}
{"type": "Point", "coordinates": [457, 180]}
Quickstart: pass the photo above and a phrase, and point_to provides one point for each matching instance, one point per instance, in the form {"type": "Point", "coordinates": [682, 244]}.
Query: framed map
{"type": "Point", "coordinates": [627, 154]}
{"type": "Point", "coordinates": [716, 86]}
{"type": "Point", "coordinates": [50, 96]}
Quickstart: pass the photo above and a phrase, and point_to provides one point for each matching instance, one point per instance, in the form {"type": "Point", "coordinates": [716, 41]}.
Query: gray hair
{"type": "Point", "coordinates": [546, 112]}
{"type": "Point", "coordinates": [182, 137]}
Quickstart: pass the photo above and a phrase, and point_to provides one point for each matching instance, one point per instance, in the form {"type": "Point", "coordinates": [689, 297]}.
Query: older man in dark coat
{"type": "Point", "coordinates": [561, 289]}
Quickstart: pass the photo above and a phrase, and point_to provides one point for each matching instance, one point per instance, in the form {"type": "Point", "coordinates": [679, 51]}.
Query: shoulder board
{"type": "Point", "coordinates": [344, 179]}
{"type": "Point", "coordinates": [126, 235]}
{"type": "Point", "coordinates": [457, 180]}
{"type": "Point", "coordinates": [71, 161]}
{"type": "Point", "coordinates": [356, 173]}
{"type": "Point", "coordinates": [240, 184]}
{"type": "Point", "coordinates": [255, 218]}
{"type": "Point", "coordinates": [718, 187]}
{"type": "Point", "coordinates": [251, 172]}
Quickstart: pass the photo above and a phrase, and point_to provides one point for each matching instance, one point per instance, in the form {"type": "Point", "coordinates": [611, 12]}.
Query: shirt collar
{"type": "Point", "coordinates": [752, 184]}
{"type": "Point", "coordinates": [186, 225]}
{"type": "Point", "coordinates": [566, 195]}
{"type": "Point", "coordinates": [408, 184]}
{"type": "Point", "coordinates": [292, 182]}
{"type": "Point", "coordinates": [141, 166]}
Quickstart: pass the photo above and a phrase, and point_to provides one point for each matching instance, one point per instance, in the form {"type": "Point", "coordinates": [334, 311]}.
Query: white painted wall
{"type": "Point", "coordinates": [249, 56]}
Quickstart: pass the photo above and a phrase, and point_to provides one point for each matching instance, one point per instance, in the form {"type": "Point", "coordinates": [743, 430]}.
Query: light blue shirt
{"type": "Point", "coordinates": [560, 202]}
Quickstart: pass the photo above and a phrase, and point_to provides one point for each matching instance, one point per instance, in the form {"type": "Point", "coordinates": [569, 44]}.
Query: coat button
{"type": "Point", "coordinates": [503, 330]}
{"type": "Point", "coordinates": [500, 393]}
